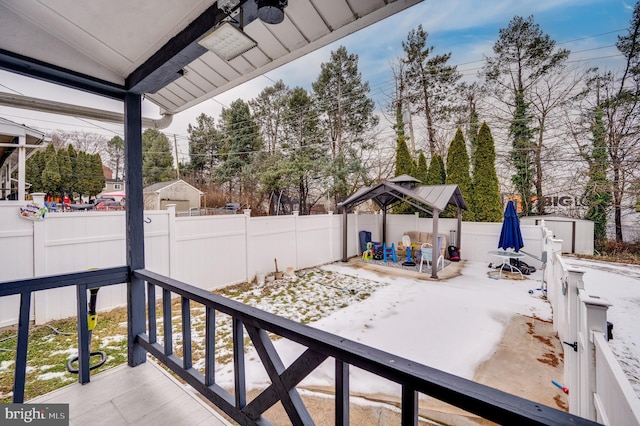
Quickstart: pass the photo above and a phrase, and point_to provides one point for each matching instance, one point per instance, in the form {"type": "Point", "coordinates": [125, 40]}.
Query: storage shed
{"type": "Point", "coordinates": [576, 234]}
{"type": "Point", "coordinates": [178, 192]}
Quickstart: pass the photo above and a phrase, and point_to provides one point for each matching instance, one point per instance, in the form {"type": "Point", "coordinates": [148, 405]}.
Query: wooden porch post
{"type": "Point", "coordinates": [134, 227]}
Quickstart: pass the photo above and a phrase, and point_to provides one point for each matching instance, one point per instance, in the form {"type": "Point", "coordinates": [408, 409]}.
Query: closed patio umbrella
{"type": "Point", "coordinates": [511, 236]}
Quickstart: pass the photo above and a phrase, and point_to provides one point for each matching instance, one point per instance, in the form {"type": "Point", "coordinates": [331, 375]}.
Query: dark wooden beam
{"type": "Point", "coordinates": [30, 67]}
{"type": "Point", "coordinates": [166, 65]}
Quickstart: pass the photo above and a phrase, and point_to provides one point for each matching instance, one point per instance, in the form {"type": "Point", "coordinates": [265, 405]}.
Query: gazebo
{"type": "Point", "coordinates": [431, 199]}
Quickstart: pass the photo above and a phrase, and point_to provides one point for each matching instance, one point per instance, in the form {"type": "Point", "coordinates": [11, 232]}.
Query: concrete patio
{"type": "Point", "coordinates": [144, 395]}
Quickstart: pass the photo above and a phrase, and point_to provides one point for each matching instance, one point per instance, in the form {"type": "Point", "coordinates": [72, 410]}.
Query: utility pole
{"type": "Point", "coordinates": [175, 146]}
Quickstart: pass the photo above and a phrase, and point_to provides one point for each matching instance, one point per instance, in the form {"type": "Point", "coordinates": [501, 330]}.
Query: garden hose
{"type": "Point", "coordinates": [92, 320]}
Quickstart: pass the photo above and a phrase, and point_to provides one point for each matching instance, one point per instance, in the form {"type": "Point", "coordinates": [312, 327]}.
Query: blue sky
{"type": "Point", "coordinates": [466, 28]}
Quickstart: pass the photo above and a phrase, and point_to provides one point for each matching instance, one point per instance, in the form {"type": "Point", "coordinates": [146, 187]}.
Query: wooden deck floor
{"type": "Point", "coordinates": [144, 395]}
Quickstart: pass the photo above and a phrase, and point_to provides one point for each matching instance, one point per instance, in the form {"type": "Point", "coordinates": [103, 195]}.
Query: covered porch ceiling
{"type": "Point", "coordinates": [151, 47]}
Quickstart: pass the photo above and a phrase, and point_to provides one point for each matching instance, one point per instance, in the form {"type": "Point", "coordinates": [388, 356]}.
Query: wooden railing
{"type": "Point", "coordinates": [414, 378]}
{"type": "Point", "coordinates": [83, 281]}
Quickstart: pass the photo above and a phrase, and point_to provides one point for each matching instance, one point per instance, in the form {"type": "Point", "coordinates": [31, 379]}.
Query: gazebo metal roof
{"type": "Point", "coordinates": [431, 199]}
{"type": "Point", "coordinates": [402, 188]}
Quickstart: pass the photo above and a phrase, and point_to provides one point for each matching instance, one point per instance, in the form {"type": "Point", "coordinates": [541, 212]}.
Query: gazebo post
{"type": "Point", "coordinates": [384, 225]}
{"type": "Point", "coordinates": [344, 233]}
{"type": "Point", "coordinates": [459, 231]}
{"type": "Point", "coordinates": [435, 253]}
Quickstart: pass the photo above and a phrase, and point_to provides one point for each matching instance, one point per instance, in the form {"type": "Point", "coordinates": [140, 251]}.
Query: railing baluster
{"type": "Point", "coordinates": [238, 364]}
{"type": "Point", "coordinates": [210, 347]}
{"type": "Point", "coordinates": [342, 393]}
{"type": "Point", "coordinates": [409, 406]}
{"type": "Point", "coordinates": [415, 378]}
{"type": "Point", "coordinates": [186, 333]}
{"type": "Point", "coordinates": [83, 335]}
{"type": "Point", "coordinates": [22, 346]}
{"type": "Point", "coordinates": [151, 313]}
{"type": "Point", "coordinates": [166, 315]}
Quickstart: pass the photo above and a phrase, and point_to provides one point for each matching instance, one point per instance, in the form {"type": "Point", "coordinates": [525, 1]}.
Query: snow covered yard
{"type": "Point", "coordinates": [451, 325]}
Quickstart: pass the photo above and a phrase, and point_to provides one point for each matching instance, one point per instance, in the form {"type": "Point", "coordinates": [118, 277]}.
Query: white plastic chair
{"type": "Point", "coordinates": [426, 253]}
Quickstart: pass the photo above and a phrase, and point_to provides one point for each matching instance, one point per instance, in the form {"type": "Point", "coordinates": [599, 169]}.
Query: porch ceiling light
{"type": "Point", "coordinates": [228, 42]}
{"type": "Point", "coordinates": [271, 11]}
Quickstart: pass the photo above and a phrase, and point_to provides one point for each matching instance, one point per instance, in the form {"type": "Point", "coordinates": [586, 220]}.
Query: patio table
{"type": "Point", "coordinates": [506, 257]}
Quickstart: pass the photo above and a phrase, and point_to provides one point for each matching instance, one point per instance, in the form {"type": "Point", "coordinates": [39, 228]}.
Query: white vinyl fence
{"type": "Point", "coordinates": [598, 388]}
{"type": "Point", "coordinates": [206, 251]}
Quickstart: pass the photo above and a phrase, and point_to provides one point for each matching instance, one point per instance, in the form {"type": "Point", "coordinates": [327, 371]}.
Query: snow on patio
{"type": "Point", "coordinates": [450, 325]}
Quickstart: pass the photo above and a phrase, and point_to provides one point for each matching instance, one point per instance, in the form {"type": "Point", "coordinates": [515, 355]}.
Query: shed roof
{"type": "Point", "coordinates": [159, 186]}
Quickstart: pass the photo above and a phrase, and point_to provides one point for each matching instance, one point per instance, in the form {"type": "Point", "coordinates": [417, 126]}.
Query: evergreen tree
{"type": "Point", "coordinates": [437, 174]}
{"type": "Point", "coordinates": [347, 116]}
{"type": "Point", "coordinates": [205, 141]}
{"type": "Point", "coordinates": [157, 160]}
{"type": "Point", "coordinates": [51, 172]}
{"type": "Point", "coordinates": [241, 144]}
{"type": "Point", "coordinates": [431, 80]}
{"type": "Point", "coordinates": [458, 172]}
{"type": "Point", "coordinates": [522, 153]}
{"type": "Point", "coordinates": [404, 163]}
{"type": "Point", "coordinates": [422, 170]}
{"type": "Point", "coordinates": [96, 175]}
{"type": "Point", "coordinates": [307, 158]}
{"type": "Point", "coordinates": [486, 189]}
{"type": "Point", "coordinates": [598, 191]}
{"type": "Point", "coordinates": [73, 160]}
{"type": "Point", "coordinates": [523, 56]}
{"type": "Point", "coordinates": [33, 171]}
{"type": "Point", "coordinates": [66, 172]}
{"type": "Point", "coordinates": [83, 174]}
{"type": "Point", "coordinates": [115, 150]}
{"type": "Point", "coordinates": [268, 111]}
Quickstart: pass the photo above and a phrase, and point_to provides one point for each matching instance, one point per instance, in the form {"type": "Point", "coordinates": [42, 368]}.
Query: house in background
{"type": "Point", "coordinates": [111, 184]}
{"type": "Point", "coordinates": [17, 143]}
{"type": "Point", "coordinates": [178, 192]}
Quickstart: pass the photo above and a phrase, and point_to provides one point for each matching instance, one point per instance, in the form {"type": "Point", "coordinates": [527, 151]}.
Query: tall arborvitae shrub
{"type": "Point", "coordinates": [422, 171]}
{"type": "Point", "coordinates": [458, 172]}
{"type": "Point", "coordinates": [486, 189]}
{"type": "Point", "coordinates": [437, 174]}
{"type": "Point", "coordinates": [404, 162]}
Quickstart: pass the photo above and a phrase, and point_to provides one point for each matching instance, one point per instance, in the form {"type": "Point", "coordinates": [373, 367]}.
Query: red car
{"type": "Point", "coordinates": [109, 205]}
